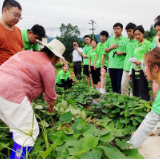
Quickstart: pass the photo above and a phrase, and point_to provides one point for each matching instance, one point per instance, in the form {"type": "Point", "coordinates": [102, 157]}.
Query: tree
{"type": "Point", "coordinates": [149, 35]}
{"type": "Point", "coordinates": [69, 33]}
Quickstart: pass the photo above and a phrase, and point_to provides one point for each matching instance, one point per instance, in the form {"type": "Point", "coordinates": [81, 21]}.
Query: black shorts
{"type": "Point", "coordinates": [94, 75]}
{"type": "Point", "coordinates": [86, 70]}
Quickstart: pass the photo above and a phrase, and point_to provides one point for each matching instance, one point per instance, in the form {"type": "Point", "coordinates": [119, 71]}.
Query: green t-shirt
{"type": "Point", "coordinates": [100, 51]}
{"type": "Point", "coordinates": [153, 44]}
{"type": "Point", "coordinates": [27, 44]}
{"type": "Point", "coordinates": [141, 49]}
{"type": "Point", "coordinates": [156, 104]}
{"type": "Point", "coordinates": [92, 55]}
{"type": "Point", "coordinates": [129, 50]}
{"type": "Point", "coordinates": [61, 75]}
{"type": "Point", "coordinates": [116, 62]}
{"type": "Point", "coordinates": [86, 51]}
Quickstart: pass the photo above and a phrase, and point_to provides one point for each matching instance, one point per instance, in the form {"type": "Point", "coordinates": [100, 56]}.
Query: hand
{"type": "Point", "coordinates": [50, 109]}
{"type": "Point", "coordinates": [94, 67]}
{"type": "Point", "coordinates": [74, 81]}
{"type": "Point", "coordinates": [114, 46]}
{"type": "Point", "coordinates": [130, 76]}
{"type": "Point", "coordinates": [118, 53]}
{"type": "Point", "coordinates": [137, 63]}
{"type": "Point", "coordinates": [132, 134]}
{"type": "Point", "coordinates": [103, 70]}
{"type": "Point", "coordinates": [157, 37]}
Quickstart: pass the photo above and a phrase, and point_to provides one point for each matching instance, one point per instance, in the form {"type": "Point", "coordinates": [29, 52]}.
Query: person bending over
{"type": "Point", "coordinates": [63, 78]}
{"type": "Point", "coordinates": [30, 36]}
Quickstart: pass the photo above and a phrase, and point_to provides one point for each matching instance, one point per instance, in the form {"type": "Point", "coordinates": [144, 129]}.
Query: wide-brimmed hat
{"type": "Point", "coordinates": [57, 48]}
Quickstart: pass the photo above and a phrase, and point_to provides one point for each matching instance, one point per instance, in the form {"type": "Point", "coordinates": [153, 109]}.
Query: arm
{"type": "Point", "coordinates": [80, 53]}
{"type": "Point", "coordinates": [95, 62]}
{"type": "Point", "coordinates": [102, 63]}
{"type": "Point", "coordinates": [85, 56]}
{"type": "Point", "coordinates": [121, 53]}
{"type": "Point", "coordinates": [111, 47]}
{"type": "Point", "coordinates": [157, 40]}
{"type": "Point", "coordinates": [89, 64]}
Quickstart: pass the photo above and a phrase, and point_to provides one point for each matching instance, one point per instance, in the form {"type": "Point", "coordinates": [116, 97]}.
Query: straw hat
{"type": "Point", "coordinates": [57, 48]}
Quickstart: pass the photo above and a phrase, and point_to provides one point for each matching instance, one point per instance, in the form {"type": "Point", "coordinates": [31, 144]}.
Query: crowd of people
{"type": "Point", "coordinates": [26, 72]}
{"type": "Point", "coordinates": [123, 57]}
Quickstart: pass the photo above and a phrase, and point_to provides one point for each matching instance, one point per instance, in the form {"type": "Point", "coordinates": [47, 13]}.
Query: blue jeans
{"type": "Point", "coordinates": [116, 77]}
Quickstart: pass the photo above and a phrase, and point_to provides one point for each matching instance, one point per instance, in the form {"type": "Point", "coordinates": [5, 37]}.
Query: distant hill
{"type": "Point", "coordinates": [50, 39]}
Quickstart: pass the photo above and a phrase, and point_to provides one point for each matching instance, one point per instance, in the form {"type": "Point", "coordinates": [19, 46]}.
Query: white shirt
{"type": "Point", "coordinates": [76, 56]}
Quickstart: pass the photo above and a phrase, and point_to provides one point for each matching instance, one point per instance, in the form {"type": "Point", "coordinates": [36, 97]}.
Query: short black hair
{"type": "Point", "coordinates": [157, 24]}
{"type": "Point", "coordinates": [157, 18]}
{"type": "Point", "coordinates": [140, 28]}
{"type": "Point", "coordinates": [48, 52]}
{"type": "Point", "coordinates": [65, 64]}
{"type": "Point", "coordinates": [8, 4]}
{"type": "Point", "coordinates": [86, 36]}
{"type": "Point", "coordinates": [75, 41]}
{"type": "Point", "coordinates": [130, 26]}
{"type": "Point", "coordinates": [39, 30]}
{"type": "Point", "coordinates": [94, 40]}
{"type": "Point", "coordinates": [104, 33]}
{"type": "Point", "coordinates": [118, 25]}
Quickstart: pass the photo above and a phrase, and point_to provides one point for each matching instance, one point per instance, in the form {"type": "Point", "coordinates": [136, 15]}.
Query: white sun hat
{"type": "Point", "coordinates": [57, 48]}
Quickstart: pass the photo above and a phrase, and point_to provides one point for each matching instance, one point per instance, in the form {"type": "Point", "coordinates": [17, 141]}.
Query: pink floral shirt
{"type": "Point", "coordinates": [27, 73]}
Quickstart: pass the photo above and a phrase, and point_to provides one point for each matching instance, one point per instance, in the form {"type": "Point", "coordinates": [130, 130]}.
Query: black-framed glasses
{"type": "Point", "coordinates": [16, 16]}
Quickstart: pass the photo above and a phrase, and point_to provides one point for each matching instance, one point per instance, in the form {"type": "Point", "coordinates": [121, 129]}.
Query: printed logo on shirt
{"type": "Point", "coordinates": [142, 46]}
{"type": "Point", "coordinates": [121, 44]}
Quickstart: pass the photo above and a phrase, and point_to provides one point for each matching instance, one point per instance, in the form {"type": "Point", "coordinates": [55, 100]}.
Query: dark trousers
{"type": "Point", "coordinates": [140, 86]}
{"type": "Point", "coordinates": [65, 84]}
{"type": "Point", "coordinates": [77, 69]}
{"type": "Point", "coordinates": [116, 77]}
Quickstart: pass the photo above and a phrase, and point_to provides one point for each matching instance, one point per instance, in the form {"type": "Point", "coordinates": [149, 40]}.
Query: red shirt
{"type": "Point", "coordinates": [27, 73]}
{"type": "Point", "coordinates": [10, 42]}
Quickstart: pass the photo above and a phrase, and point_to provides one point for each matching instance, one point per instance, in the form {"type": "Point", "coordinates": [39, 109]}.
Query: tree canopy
{"type": "Point", "coordinates": [69, 33]}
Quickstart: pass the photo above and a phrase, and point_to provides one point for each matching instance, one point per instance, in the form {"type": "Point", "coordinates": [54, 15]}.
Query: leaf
{"type": "Point", "coordinates": [134, 122]}
{"type": "Point", "coordinates": [139, 119]}
{"type": "Point", "coordinates": [81, 125]}
{"type": "Point", "coordinates": [116, 104]}
{"type": "Point", "coordinates": [55, 136]}
{"type": "Point", "coordinates": [123, 120]}
{"type": "Point", "coordinates": [127, 130]}
{"type": "Point", "coordinates": [89, 130]}
{"type": "Point", "coordinates": [68, 130]}
{"type": "Point", "coordinates": [118, 133]}
{"type": "Point", "coordinates": [91, 155]}
{"type": "Point", "coordinates": [122, 145]}
{"type": "Point", "coordinates": [107, 138]}
{"type": "Point", "coordinates": [83, 114]}
{"type": "Point", "coordinates": [2, 145]}
{"type": "Point", "coordinates": [99, 133]}
{"type": "Point", "coordinates": [111, 154]}
{"type": "Point", "coordinates": [66, 117]}
{"type": "Point", "coordinates": [89, 142]}
{"type": "Point", "coordinates": [119, 124]}
{"type": "Point", "coordinates": [142, 114]}
{"type": "Point", "coordinates": [106, 110]}
{"type": "Point", "coordinates": [133, 154]}
{"type": "Point", "coordinates": [43, 123]}
{"type": "Point", "coordinates": [76, 146]}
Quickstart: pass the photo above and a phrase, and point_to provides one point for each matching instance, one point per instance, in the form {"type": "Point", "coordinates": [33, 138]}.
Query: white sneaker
{"type": "Point", "coordinates": [102, 91]}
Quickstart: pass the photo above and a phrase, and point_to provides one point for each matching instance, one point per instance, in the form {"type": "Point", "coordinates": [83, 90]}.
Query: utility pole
{"type": "Point", "coordinates": [92, 23]}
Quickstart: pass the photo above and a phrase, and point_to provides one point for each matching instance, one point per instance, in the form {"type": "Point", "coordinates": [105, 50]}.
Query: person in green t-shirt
{"type": "Point", "coordinates": [139, 81]}
{"type": "Point", "coordinates": [30, 36]}
{"type": "Point", "coordinates": [156, 43]}
{"type": "Point", "coordinates": [97, 64]}
{"type": "Point", "coordinates": [152, 71]}
{"type": "Point", "coordinates": [86, 51]}
{"type": "Point", "coordinates": [116, 62]}
{"type": "Point", "coordinates": [129, 50]}
{"type": "Point", "coordinates": [91, 56]}
{"type": "Point", "coordinates": [63, 78]}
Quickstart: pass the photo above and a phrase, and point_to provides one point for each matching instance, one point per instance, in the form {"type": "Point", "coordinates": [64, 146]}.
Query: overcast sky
{"type": "Point", "coordinates": [52, 13]}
